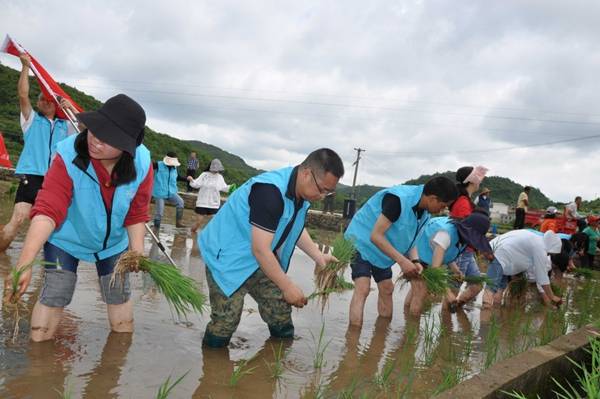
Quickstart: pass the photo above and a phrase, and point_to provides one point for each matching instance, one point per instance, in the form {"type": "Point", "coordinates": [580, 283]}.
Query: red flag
{"type": "Point", "coordinates": [49, 87]}
{"type": "Point", "coordinates": [4, 158]}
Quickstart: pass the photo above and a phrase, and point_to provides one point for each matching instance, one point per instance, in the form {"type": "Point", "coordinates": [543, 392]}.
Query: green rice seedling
{"type": "Point", "coordinates": [431, 334]}
{"type": "Point", "coordinates": [276, 367]}
{"type": "Point", "coordinates": [179, 290]}
{"type": "Point", "coordinates": [517, 286]}
{"type": "Point", "coordinates": [328, 277]}
{"type": "Point", "coordinates": [382, 379]}
{"type": "Point", "coordinates": [481, 279]}
{"type": "Point", "coordinates": [583, 272]}
{"type": "Point", "coordinates": [11, 297]}
{"type": "Point", "coordinates": [517, 395]}
{"type": "Point", "coordinates": [436, 279]}
{"type": "Point", "coordinates": [492, 343]}
{"type": "Point", "coordinates": [350, 391]}
{"type": "Point", "coordinates": [404, 386]}
{"type": "Point", "coordinates": [165, 389]}
{"type": "Point", "coordinates": [65, 394]}
{"type": "Point", "coordinates": [239, 371]}
{"type": "Point", "coordinates": [320, 348]}
{"type": "Point", "coordinates": [588, 378]}
{"type": "Point", "coordinates": [528, 334]}
{"type": "Point", "coordinates": [557, 290]}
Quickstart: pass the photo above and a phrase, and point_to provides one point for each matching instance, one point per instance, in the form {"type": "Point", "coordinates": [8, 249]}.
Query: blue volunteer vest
{"type": "Point", "coordinates": [165, 181]}
{"type": "Point", "coordinates": [424, 240]}
{"type": "Point", "coordinates": [226, 242]}
{"type": "Point", "coordinates": [401, 234]}
{"type": "Point", "coordinates": [40, 140]}
{"type": "Point", "coordinates": [90, 232]}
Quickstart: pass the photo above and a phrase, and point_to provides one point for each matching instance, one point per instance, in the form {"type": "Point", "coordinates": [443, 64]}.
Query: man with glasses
{"type": "Point", "coordinates": [384, 232]}
{"type": "Point", "coordinates": [248, 245]}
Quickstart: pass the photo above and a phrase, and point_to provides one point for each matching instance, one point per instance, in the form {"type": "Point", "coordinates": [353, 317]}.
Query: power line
{"type": "Point", "coordinates": [358, 106]}
{"type": "Point", "coordinates": [316, 114]}
{"type": "Point", "coordinates": [368, 98]}
{"type": "Point", "coordinates": [488, 150]}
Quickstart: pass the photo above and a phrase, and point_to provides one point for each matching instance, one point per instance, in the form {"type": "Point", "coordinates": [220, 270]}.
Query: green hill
{"type": "Point", "coordinates": [236, 170]}
{"type": "Point", "coordinates": [503, 189]}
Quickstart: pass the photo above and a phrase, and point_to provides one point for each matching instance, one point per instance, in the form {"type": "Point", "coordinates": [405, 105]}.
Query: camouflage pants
{"type": "Point", "coordinates": [226, 311]}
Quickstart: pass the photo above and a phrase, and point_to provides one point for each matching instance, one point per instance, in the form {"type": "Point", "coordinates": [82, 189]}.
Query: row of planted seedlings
{"type": "Point", "coordinates": [429, 348]}
{"type": "Point", "coordinates": [180, 291]}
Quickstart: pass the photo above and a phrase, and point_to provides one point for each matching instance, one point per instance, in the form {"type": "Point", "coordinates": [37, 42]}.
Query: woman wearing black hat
{"type": "Point", "coordinates": [92, 207]}
{"type": "Point", "coordinates": [441, 242]}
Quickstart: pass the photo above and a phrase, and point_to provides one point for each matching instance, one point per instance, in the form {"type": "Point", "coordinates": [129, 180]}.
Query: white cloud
{"type": "Point", "coordinates": [271, 81]}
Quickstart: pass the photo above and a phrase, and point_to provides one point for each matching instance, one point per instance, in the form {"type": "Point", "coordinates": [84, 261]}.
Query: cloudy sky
{"type": "Point", "coordinates": [422, 86]}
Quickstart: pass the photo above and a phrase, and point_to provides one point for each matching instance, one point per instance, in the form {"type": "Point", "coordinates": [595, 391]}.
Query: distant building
{"type": "Point", "coordinates": [502, 213]}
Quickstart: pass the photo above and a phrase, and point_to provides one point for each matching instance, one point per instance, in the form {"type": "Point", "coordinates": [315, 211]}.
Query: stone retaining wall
{"type": "Point", "coordinates": [529, 372]}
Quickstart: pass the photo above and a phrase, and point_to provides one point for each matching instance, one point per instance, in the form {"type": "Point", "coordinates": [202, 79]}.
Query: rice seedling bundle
{"type": "Point", "coordinates": [11, 297]}
{"type": "Point", "coordinates": [179, 290]}
{"type": "Point", "coordinates": [436, 279]}
{"type": "Point", "coordinates": [481, 279]}
{"type": "Point", "coordinates": [330, 278]}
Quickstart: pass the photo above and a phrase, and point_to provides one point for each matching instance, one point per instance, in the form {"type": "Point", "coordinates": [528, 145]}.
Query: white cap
{"type": "Point", "coordinates": [552, 242]}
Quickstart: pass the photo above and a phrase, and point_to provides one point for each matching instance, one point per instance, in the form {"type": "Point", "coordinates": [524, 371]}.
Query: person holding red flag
{"type": "Point", "coordinates": [42, 131]}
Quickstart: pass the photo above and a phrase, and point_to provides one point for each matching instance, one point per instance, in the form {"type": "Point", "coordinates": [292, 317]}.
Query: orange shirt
{"type": "Point", "coordinates": [549, 224]}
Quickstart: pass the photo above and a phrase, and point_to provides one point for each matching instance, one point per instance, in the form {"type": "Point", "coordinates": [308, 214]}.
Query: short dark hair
{"type": "Point", "coordinates": [578, 198]}
{"type": "Point", "coordinates": [527, 188]}
{"type": "Point", "coordinates": [441, 187]}
{"type": "Point", "coordinates": [124, 170]}
{"type": "Point", "coordinates": [324, 160]}
{"type": "Point", "coordinates": [561, 260]}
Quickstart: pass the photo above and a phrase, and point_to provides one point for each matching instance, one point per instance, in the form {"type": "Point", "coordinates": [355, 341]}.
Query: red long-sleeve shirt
{"type": "Point", "coordinates": [462, 207]}
{"type": "Point", "coordinates": [54, 198]}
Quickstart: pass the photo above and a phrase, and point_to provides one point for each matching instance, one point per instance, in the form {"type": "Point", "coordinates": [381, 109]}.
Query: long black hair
{"type": "Point", "coordinates": [124, 170]}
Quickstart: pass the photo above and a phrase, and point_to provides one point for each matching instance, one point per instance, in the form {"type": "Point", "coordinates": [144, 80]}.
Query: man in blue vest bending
{"type": "Point", "coordinates": [42, 130]}
{"type": "Point", "coordinates": [165, 188]}
{"type": "Point", "coordinates": [248, 245]}
{"type": "Point", "coordinates": [384, 231]}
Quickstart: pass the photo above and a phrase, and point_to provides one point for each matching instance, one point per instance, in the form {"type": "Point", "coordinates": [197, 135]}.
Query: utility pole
{"type": "Point", "coordinates": [358, 151]}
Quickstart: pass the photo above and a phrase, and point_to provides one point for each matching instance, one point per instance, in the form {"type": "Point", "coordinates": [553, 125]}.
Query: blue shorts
{"type": "Point", "coordinates": [496, 275]}
{"type": "Point", "coordinates": [363, 268]}
{"type": "Point", "coordinates": [68, 262]}
{"type": "Point", "coordinates": [467, 265]}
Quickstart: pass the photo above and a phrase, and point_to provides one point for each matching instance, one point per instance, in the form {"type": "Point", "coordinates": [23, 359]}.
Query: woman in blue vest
{"type": "Point", "coordinates": [384, 231]}
{"type": "Point", "coordinates": [92, 207]}
{"type": "Point", "coordinates": [441, 242]}
{"type": "Point", "coordinates": [165, 189]}
{"type": "Point", "coordinates": [248, 245]}
{"type": "Point", "coordinates": [41, 132]}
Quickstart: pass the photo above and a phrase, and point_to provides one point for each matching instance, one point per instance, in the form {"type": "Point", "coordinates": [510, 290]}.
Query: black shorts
{"type": "Point", "coordinates": [205, 211]}
{"type": "Point", "coordinates": [28, 188]}
{"type": "Point", "coordinates": [363, 268]}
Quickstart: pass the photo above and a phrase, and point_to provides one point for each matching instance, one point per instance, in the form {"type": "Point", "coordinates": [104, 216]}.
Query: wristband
{"type": "Point", "coordinates": [417, 261]}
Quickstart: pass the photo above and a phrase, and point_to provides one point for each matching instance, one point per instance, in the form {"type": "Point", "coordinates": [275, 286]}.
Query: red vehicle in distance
{"type": "Point", "coordinates": [535, 217]}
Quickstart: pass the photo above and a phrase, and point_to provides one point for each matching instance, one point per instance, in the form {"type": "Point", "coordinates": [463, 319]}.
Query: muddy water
{"type": "Point", "coordinates": [386, 359]}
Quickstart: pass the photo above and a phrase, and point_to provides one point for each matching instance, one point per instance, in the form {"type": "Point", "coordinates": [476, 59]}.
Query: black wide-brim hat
{"type": "Point", "coordinates": [472, 231]}
{"type": "Point", "coordinates": [119, 123]}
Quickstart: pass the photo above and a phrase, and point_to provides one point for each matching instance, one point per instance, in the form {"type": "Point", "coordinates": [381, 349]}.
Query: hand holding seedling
{"type": "Point", "coordinates": [294, 295]}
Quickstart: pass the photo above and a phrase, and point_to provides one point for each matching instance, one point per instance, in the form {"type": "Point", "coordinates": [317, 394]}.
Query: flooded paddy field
{"type": "Point", "coordinates": [401, 357]}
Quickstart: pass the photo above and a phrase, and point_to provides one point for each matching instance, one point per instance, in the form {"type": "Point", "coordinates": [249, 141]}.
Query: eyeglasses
{"type": "Point", "coordinates": [322, 191]}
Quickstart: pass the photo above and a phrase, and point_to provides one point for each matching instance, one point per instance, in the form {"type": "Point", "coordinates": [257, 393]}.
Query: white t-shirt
{"type": "Point", "coordinates": [522, 251]}
{"type": "Point", "coordinates": [441, 238]}
{"type": "Point", "coordinates": [572, 207]}
{"type": "Point", "coordinates": [209, 186]}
